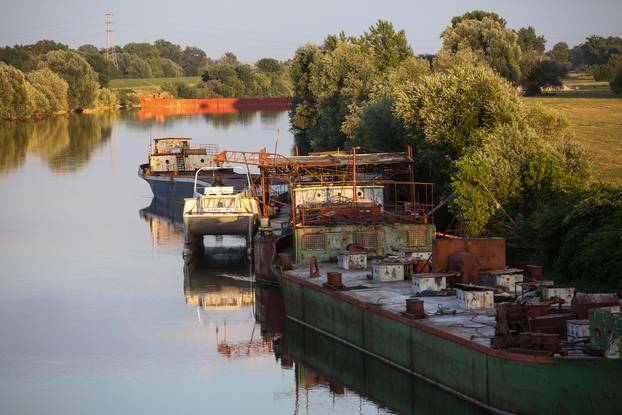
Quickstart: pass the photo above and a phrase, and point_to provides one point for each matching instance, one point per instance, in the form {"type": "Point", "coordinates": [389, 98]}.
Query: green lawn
{"type": "Point", "coordinates": [150, 84]}
{"type": "Point", "coordinates": [595, 116]}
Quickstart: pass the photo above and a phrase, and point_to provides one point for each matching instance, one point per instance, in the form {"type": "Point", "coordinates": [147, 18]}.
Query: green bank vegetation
{"type": "Point", "coordinates": [508, 166]}
{"type": "Point", "coordinates": [150, 85]}
{"type": "Point", "coordinates": [84, 79]}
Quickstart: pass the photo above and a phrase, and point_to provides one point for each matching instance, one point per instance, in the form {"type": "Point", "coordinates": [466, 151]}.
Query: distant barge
{"type": "Point", "coordinates": [174, 164]}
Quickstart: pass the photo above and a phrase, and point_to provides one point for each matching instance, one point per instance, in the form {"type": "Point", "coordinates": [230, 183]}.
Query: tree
{"type": "Point", "coordinates": [104, 68]}
{"type": "Point", "coordinates": [607, 71]}
{"type": "Point", "coordinates": [228, 58]}
{"type": "Point", "coordinates": [502, 185]}
{"type": "Point", "coordinates": [341, 80]}
{"type": "Point", "coordinates": [456, 108]}
{"type": "Point", "coordinates": [547, 73]}
{"type": "Point", "coordinates": [379, 130]}
{"type": "Point", "coordinates": [528, 40]}
{"type": "Point", "coordinates": [170, 69]}
{"type": "Point", "coordinates": [305, 112]}
{"type": "Point", "coordinates": [88, 49]}
{"type": "Point", "coordinates": [19, 57]}
{"type": "Point", "coordinates": [168, 50]}
{"type": "Point", "coordinates": [616, 82]}
{"type": "Point", "coordinates": [78, 74]}
{"type": "Point", "coordinates": [138, 68]}
{"type": "Point", "coordinates": [52, 88]}
{"type": "Point", "coordinates": [269, 65]}
{"type": "Point", "coordinates": [44, 46]}
{"type": "Point", "coordinates": [143, 50]}
{"type": "Point", "coordinates": [560, 54]}
{"type": "Point", "coordinates": [479, 15]}
{"type": "Point", "coordinates": [15, 94]}
{"type": "Point", "coordinates": [596, 50]}
{"type": "Point", "coordinates": [192, 59]}
{"type": "Point", "coordinates": [388, 47]}
{"type": "Point", "coordinates": [488, 37]}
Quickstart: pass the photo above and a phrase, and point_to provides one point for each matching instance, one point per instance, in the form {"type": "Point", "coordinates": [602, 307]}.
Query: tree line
{"type": "Point", "coordinates": [503, 166]}
{"type": "Point", "coordinates": [48, 77]}
{"type": "Point", "coordinates": [227, 77]}
{"type": "Point", "coordinates": [61, 80]}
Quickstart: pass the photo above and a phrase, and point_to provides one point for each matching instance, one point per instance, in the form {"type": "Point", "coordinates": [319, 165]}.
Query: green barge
{"type": "Point", "coordinates": [445, 352]}
{"type": "Point", "coordinates": [444, 309]}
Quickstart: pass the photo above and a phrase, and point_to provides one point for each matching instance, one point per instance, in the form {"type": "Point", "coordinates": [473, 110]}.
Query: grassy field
{"type": "Point", "coordinates": [595, 116]}
{"type": "Point", "coordinates": [151, 84]}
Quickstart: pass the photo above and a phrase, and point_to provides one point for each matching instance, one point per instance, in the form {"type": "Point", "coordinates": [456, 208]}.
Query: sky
{"type": "Point", "coordinates": [275, 28]}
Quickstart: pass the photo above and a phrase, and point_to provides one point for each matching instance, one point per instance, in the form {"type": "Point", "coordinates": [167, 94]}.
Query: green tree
{"type": "Point", "coordinates": [170, 69]}
{"type": "Point", "coordinates": [228, 58]}
{"type": "Point", "coordinates": [388, 47]}
{"type": "Point", "coordinates": [139, 68]}
{"type": "Point", "coordinates": [104, 68]}
{"type": "Point", "coordinates": [560, 53]}
{"type": "Point", "coordinates": [497, 44]}
{"type": "Point", "coordinates": [607, 71]}
{"type": "Point", "coordinates": [19, 57]}
{"type": "Point", "coordinates": [547, 73]}
{"type": "Point", "coordinates": [106, 99]}
{"type": "Point", "coordinates": [341, 80]}
{"type": "Point", "coordinates": [168, 50]}
{"type": "Point", "coordinates": [596, 50]}
{"type": "Point", "coordinates": [52, 88]}
{"type": "Point", "coordinates": [305, 111]}
{"type": "Point", "coordinates": [529, 40]}
{"type": "Point", "coordinates": [15, 93]}
{"type": "Point", "coordinates": [616, 82]}
{"type": "Point", "coordinates": [88, 49]}
{"type": "Point", "coordinates": [44, 46]}
{"type": "Point", "coordinates": [143, 50]}
{"type": "Point", "coordinates": [457, 108]}
{"type": "Point", "coordinates": [379, 130]}
{"type": "Point", "coordinates": [479, 15]}
{"type": "Point", "coordinates": [269, 65]}
{"type": "Point", "coordinates": [192, 59]}
{"type": "Point", "coordinates": [78, 74]}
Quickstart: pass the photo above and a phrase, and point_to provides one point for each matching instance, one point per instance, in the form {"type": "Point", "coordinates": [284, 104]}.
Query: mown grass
{"type": "Point", "coordinates": [150, 84]}
{"type": "Point", "coordinates": [595, 116]}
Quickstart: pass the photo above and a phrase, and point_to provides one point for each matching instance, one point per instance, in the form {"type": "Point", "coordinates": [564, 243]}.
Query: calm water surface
{"type": "Point", "coordinates": [98, 314]}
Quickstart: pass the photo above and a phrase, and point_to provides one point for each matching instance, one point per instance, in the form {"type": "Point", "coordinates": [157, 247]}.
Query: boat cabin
{"type": "Point", "coordinates": [174, 154]}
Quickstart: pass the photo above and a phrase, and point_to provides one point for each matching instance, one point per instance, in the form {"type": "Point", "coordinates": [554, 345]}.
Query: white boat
{"type": "Point", "coordinates": [221, 211]}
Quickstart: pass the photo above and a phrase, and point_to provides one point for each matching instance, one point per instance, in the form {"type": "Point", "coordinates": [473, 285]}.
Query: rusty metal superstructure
{"type": "Point", "coordinates": [338, 199]}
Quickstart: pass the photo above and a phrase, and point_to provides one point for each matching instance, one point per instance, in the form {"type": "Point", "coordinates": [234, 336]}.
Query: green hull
{"type": "Point", "coordinates": [374, 379]}
{"type": "Point", "coordinates": [492, 379]}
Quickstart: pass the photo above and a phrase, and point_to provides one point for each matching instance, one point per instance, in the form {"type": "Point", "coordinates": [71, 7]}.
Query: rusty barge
{"type": "Point", "coordinates": [364, 268]}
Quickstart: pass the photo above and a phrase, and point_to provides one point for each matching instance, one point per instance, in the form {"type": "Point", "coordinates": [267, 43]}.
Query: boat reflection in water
{"type": "Point", "coordinates": [167, 230]}
{"type": "Point", "coordinates": [165, 222]}
{"type": "Point", "coordinates": [247, 317]}
{"type": "Point", "coordinates": [249, 322]}
{"type": "Point", "coordinates": [321, 362]}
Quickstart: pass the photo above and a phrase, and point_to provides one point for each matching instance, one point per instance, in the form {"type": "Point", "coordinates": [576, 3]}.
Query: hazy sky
{"type": "Point", "coordinates": [255, 29]}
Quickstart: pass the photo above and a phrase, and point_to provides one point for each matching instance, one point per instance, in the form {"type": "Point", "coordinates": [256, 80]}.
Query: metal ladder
{"type": "Point", "coordinates": [181, 165]}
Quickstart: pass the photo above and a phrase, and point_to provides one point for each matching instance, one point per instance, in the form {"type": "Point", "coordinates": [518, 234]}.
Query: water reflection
{"type": "Point", "coordinates": [66, 143]}
{"type": "Point", "coordinates": [165, 222]}
{"type": "Point", "coordinates": [323, 363]}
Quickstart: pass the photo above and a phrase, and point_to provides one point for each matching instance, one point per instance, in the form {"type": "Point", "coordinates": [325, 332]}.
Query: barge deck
{"type": "Point", "coordinates": [450, 348]}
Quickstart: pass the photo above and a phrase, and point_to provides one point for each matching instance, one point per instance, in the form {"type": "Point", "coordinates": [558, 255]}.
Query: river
{"type": "Point", "coordinates": [98, 314]}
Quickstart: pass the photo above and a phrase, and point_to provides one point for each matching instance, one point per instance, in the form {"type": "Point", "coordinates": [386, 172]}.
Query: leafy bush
{"type": "Point", "coordinates": [78, 74]}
